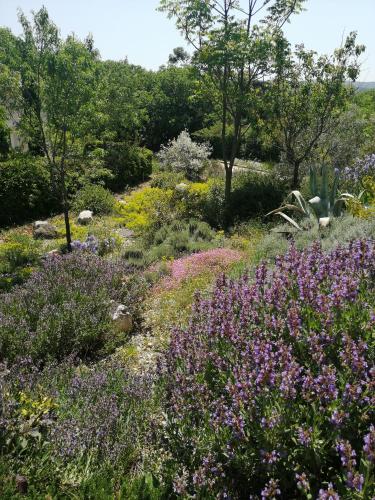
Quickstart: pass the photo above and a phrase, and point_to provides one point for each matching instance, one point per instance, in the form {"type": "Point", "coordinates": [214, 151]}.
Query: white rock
{"type": "Point", "coordinates": [85, 217]}
{"type": "Point", "coordinates": [324, 221]}
{"type": "Point", "coordinates": [40, 223]}
{"type": "Point", "coordinates": [122, 319]}
{"type": "Point", "coordinates": [181, 187]}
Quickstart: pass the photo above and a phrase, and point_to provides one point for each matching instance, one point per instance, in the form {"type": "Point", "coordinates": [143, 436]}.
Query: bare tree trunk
{"type": "Point", "coordinates": [64, 196]}
{"type": "Point", "coordinates": [295, 183]}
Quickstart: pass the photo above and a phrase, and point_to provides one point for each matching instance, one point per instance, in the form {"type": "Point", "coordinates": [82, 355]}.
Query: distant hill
{"type": "Point", "coordinates": [362, 86]}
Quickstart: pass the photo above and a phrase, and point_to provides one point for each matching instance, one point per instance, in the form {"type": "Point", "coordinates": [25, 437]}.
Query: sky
{"type": "Point", "coordinates": [136, 30]}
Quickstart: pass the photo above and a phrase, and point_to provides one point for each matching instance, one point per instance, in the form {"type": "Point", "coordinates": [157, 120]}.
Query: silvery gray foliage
{"type": "Point", "coordinates": [185, 156]}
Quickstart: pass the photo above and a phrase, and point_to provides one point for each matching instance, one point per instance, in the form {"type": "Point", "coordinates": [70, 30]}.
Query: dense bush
{"type": "Point", "coordinates": [167, 180]}
{"type": "Point", "coordinates": [94, 197]}
{"type": "Point", "coordinates": [18, 254]}
{"type": "Point", "coordinates": [86, 422]}
{"type": "Point", "coordinates": [25, 192]}
{"type": "Point", "coordinates": [183, 155]}
{"type": "Point", "coordinates": [128, 164]}
{"type": "Point", "coordinates": [172, 240]}
{"type": "Point", "coordinates": [341, 231]}
{"type": "Point", "coordinates": [65, 308]}
{"type": "Point", "coordinates": [255, 195]}
{"type": "Point", "coordinates": [269, 390]}
{"type": "Point", "coordinates": [146, 210]}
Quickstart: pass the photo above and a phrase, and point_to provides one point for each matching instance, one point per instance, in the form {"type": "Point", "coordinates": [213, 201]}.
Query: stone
{"type": "Point", "coordinates": [21, 484]}
{"type": "Point", "coordinates": [54, 253]}
{"type": "Point", "coordinates": [85, 217]}
{"type": "Point", "coordinates": [182, 187]}
{"type": "Point", "coordinates": [324, 221]}
{"type": "Point", "coordinates": [122, 319]}
{"type": "Point", "coordinates": [44, 230]}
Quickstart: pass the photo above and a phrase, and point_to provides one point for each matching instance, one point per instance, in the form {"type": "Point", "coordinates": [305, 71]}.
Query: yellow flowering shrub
{"type": "Point", "coordinates": [146, 208]}
{"type": "Point", "coordinates": [364, 210]}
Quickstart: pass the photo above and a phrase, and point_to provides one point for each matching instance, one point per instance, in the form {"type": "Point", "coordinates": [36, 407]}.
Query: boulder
{"type": "Point", "coordinates": [44, 230]}
{"type": "Point", "coordinates": [182, 187]}
{"type": "Point", "coordinates": [85, 217]}
{"type": "Point", "coordinates": [122, 319]}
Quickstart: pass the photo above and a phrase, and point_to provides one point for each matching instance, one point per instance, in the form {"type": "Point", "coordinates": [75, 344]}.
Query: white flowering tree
{"type": "Point", "coordinates": [185, 156]}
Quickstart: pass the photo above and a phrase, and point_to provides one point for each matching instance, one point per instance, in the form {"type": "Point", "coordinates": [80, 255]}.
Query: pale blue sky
{"type": "Point", "coordinates": [134, 28]}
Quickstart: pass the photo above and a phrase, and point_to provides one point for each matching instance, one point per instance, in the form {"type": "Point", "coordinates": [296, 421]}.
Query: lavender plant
{"type": "Point", "coordinates": [270, 390]}
{"type": "Point", "coordinates": [65, 308]}
{"type": "Point", "coordinates": [363, 167]}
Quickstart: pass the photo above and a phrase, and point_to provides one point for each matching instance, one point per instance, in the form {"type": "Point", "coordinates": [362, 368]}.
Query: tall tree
{"type": "Point", "coordinates": [234, 52]}
{"type": "Point", "coordinates": [308, 94]}
{"type": "Point", "coordinates": [57, 83]}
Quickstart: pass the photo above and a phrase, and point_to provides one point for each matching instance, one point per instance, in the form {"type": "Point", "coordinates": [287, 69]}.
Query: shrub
{"type": "Point", "coordinates": [255, 194]}
{"type": "Point", "coordinates": [183, 155]}
{"type": "Point", "coordinates": [65, 308]}
{"type": "Point", "coordinates": [341, 231]}
{"type": "Point", "coordinates": [90, 422]}
{"type": "Point", "coordinates": [129, 164]}
{"type": "Point", "coordinates": [18, 253]}
{"type": "Point", "coordinates": [95, 198]}
{"type": "Point", "coordinates": [146, 210]}
{"type": "Point", "coordinates": [269, 390]}
{"type": "Point", "coordinates": [167, 180]}
{"type": "Point", "coordinates": [170, 241]}
{"type": "Point", "coordinates": [24, 190]}
{"type": "Point", "coordinates": [363, 167]}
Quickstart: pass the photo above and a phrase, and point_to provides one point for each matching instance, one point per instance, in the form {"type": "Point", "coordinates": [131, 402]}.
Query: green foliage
{"type": "Point", "coordinates": [253, 194]}
{"type": "Point", "coordinates": [95, 198]}
{"type": "Point", "coordinates": [128, 164]}
{"type": "Point", "coordinates": [322, 206]}
{"type": "Point", "coordinates": [341, 231]}
{"type": "Point", "coordinates": [25, 192]}
{"type": "Point", "coordinates": [146, 210]}
{"type": "Point", "coordinates": [167, 180]}
{"type": "Point", "coordinates": [306, 98]}
{"type": "Point", "coordinates": [171, 241]}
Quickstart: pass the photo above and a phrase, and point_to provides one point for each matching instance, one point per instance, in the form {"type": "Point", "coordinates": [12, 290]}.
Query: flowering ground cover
{"type": "Point", "coordinates": [210, 262]}
{"type": "Point", "coordinates": [270, 389]}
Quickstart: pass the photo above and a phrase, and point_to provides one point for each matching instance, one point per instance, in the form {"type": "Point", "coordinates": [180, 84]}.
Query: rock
{"type": "Point", "coordinates": [182, 187]}
{"type": "Point", "coordinates": [126, 233]}
{"type": "Point", "coordinates": [324, 221]}
{"type": "Point", "coordinates": [44, 230]}
{"type": "Point", "coordinates": [40, 223]}
{"type": "Point", "coordinates": [21, 484]}
{"type": "Point", "coordinates": [85, 217]}
{"type": "Point", "coordinates": [122, 319]}
{"type": "Point", "coordinates": [53, 253]}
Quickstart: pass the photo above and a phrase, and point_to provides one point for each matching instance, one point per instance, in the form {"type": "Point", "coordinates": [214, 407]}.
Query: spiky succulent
{"type": "Point", "coordinates": [325, 203]}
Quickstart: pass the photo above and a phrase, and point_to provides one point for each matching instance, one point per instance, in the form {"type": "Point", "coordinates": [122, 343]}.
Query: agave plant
{"type": "Point", "coordinates": [325, 203]}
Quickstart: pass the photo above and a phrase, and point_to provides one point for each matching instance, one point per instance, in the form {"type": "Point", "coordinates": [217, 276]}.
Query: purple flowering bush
{"type": "Point", "coordinates": [92, 420]}
{"type": "Point", "coordinates": [270, 389]}
{"type": "Point", "coordinates": [363, 167]}
{"type": "Point", "coordinates": [65, 308]}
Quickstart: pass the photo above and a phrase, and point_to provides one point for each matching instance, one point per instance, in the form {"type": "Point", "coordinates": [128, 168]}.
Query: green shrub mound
{"type": "Point", "coordinates": [170, 241]}
{"type": "Point", "coordinates": [95, 198]}
{"type": "Point", "coordinates": [25, 192]}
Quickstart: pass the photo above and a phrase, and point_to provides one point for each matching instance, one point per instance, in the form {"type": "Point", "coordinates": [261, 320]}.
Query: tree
{"type": "Point", "coordinates": [234, 54]}
{"type": "Point", "coordinates": [178, 56]}
{"type": "Point", "coordinates": [307, 96]}
{"type": "Point", "coordinates": [57, 82]}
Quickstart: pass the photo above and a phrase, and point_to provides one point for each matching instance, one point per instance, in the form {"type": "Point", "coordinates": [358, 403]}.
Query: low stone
{"type": "Point", "coordinates": [324, 221]}
{"type": "Point", "coordinates": [44, 230]}
{"type": "Point", "coordinates": [182, 187]}
{"type": "Point", "coordinates": [85, 217]}
{"type": "Point", "coordinates": [21, 484]}
{"type": "Point", "coordinates": [122, 319]}
{"type": "Point", "coordinates": [54, 253]}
